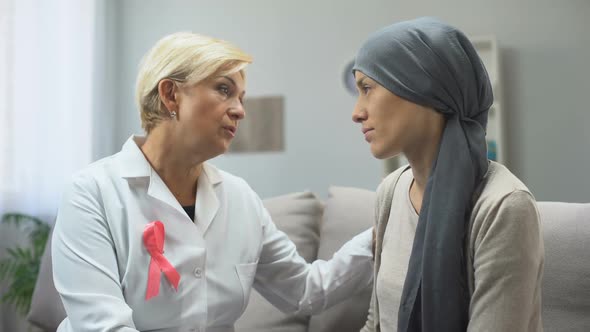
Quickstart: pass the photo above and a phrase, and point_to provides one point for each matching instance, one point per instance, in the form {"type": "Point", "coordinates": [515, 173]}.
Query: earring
{"type": "Point", "coordinates": [173, 114]}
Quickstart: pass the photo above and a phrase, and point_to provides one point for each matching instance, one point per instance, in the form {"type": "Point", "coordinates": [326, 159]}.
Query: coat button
{"type": "Point", "coordinates": [198, 272]}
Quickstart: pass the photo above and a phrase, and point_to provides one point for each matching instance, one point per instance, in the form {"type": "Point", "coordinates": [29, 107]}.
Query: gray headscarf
{"type": "Point", "coordinates": [433, 64]}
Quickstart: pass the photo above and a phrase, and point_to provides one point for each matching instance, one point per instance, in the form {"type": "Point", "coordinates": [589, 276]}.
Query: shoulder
{"type": "Point", "coordinates": [83, 201]}
{"type": "Point", "coordinates": [500, 186]}
{"type": "Point", "coordinates": [499, 178]}
{"type": "Point", "coordinates": [88, 179]}
{"type": "Point", "coordinates": [504, 203]}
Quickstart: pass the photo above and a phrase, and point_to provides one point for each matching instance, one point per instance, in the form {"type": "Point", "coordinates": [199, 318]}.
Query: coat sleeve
{"type": "Point", "coordinates": [292, 285]}
{"type": "Point", "coordinates": [84, 263]}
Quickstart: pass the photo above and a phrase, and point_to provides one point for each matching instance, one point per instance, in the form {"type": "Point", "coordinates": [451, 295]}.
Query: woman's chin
{"type": "Point", "coordinates": [382, 153]}
{"type": "Point", "coordinates": [213, 151]}
{"type": "Point", "coordinates": [224, 148]}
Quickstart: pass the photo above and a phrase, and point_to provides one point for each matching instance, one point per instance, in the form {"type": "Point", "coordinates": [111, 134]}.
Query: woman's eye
{"type": "Point", "coordinates": [366, 89]}
{"type": "Point", "coordinates": [224, 90]}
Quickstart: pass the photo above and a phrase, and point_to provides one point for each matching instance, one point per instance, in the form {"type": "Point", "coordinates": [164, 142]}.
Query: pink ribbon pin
{"type": "Point", "coordinates": [153, 239]}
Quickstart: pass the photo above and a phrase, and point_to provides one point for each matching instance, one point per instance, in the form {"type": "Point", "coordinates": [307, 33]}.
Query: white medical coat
{"type": "Point", "coordinates": [100, 264]}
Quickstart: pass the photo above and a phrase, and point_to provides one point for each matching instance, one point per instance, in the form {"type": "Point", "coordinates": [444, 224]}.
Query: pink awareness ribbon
{"type": "Point", "coordinates": [153, 239]}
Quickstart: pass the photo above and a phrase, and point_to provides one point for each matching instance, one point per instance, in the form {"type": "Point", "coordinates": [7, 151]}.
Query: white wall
{"type": "Point", "coordinates": [301, 47]}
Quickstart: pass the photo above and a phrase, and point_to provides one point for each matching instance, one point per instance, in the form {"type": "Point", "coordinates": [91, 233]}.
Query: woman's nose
{"type": "Point", "coordinates": [358, 114]}
{"type": "Point", "coordinates": [238, 112]}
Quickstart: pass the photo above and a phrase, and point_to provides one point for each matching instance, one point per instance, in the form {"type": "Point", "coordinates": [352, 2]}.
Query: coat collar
{"type": "Point", "coordinates": [132, 163]}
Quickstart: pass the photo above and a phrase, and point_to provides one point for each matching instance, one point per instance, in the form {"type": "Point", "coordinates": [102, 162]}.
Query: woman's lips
{"type": "Point", "coordinates": [231, 130]}
{"type": "Point", "coordinates": [368, 133]}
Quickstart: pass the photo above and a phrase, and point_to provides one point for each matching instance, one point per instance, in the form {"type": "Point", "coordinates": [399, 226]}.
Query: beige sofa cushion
{"type": "Point", "coordinates": [566, 282]}
{"type": "Point", "coordinates": [348, 211]}
{"type": "Point", "coordinates": [11, 235]}
{"type": "Point", "coordinates": [298, 215]}
{"type": "Point", "coordinates": [46, 311]}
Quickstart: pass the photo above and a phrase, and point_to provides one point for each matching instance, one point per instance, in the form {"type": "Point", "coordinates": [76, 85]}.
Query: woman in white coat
{"type": "Point", "coordinates": [155, 239]}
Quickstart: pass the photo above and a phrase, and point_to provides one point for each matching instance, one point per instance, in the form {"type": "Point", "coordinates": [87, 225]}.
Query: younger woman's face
{"type": "Point", "coordinates": [390, 124]}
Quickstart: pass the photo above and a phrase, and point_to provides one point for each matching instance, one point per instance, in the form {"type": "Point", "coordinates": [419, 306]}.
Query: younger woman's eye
{"type": "Point", "coordinates": [366, 89]}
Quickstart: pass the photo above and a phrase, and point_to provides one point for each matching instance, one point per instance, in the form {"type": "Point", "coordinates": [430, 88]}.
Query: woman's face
{"type": "Point", "coordinates": [209, 113]}
{"type": "Point", "coordinates": [391, 125]}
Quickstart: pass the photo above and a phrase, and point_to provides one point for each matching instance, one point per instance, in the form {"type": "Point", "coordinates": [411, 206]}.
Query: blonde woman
{"type": "Point", "coordinates": [155, 239]}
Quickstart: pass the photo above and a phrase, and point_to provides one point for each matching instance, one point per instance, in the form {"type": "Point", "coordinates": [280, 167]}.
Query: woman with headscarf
{"type": "Point", "coordinates": [458, 239]}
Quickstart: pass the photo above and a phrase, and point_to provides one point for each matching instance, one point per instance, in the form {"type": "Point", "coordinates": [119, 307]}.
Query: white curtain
{"type": "Point", "coordinates": [50, 58]}
{"type": "Point", "coordinates": [47, 81]}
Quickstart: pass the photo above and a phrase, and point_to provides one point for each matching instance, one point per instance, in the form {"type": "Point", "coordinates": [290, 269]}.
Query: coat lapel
{"type": "Point", "coordinates": [133, 164]}
{"type": "Point", "coordinates": [208, 202]}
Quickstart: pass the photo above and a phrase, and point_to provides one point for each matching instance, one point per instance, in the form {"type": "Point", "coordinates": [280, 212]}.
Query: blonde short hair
{"type": "Point", "coordinates": [183, 57]}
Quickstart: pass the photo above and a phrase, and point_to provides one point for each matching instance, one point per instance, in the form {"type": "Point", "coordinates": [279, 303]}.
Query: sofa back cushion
{"type": "Point", "coordinates": [11, 236]}
{"type": "Point", "coordinates": [566, 281]}
{"type": "Point", "coordinates": [347, 212]}
{"type": "Point", "coordinates": [46, 311]}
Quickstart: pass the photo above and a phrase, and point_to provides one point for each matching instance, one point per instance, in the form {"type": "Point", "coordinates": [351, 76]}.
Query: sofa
{"type": "Point", "coordinates": [318, 228]}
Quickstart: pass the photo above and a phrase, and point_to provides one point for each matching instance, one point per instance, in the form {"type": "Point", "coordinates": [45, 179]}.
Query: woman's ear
{"type": "Point", "coordinates": [167, 90]}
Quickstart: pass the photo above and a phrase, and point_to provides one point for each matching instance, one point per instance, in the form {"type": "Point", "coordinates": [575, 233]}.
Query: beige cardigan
{"type": "Point", "coordinates": [505, 254]}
